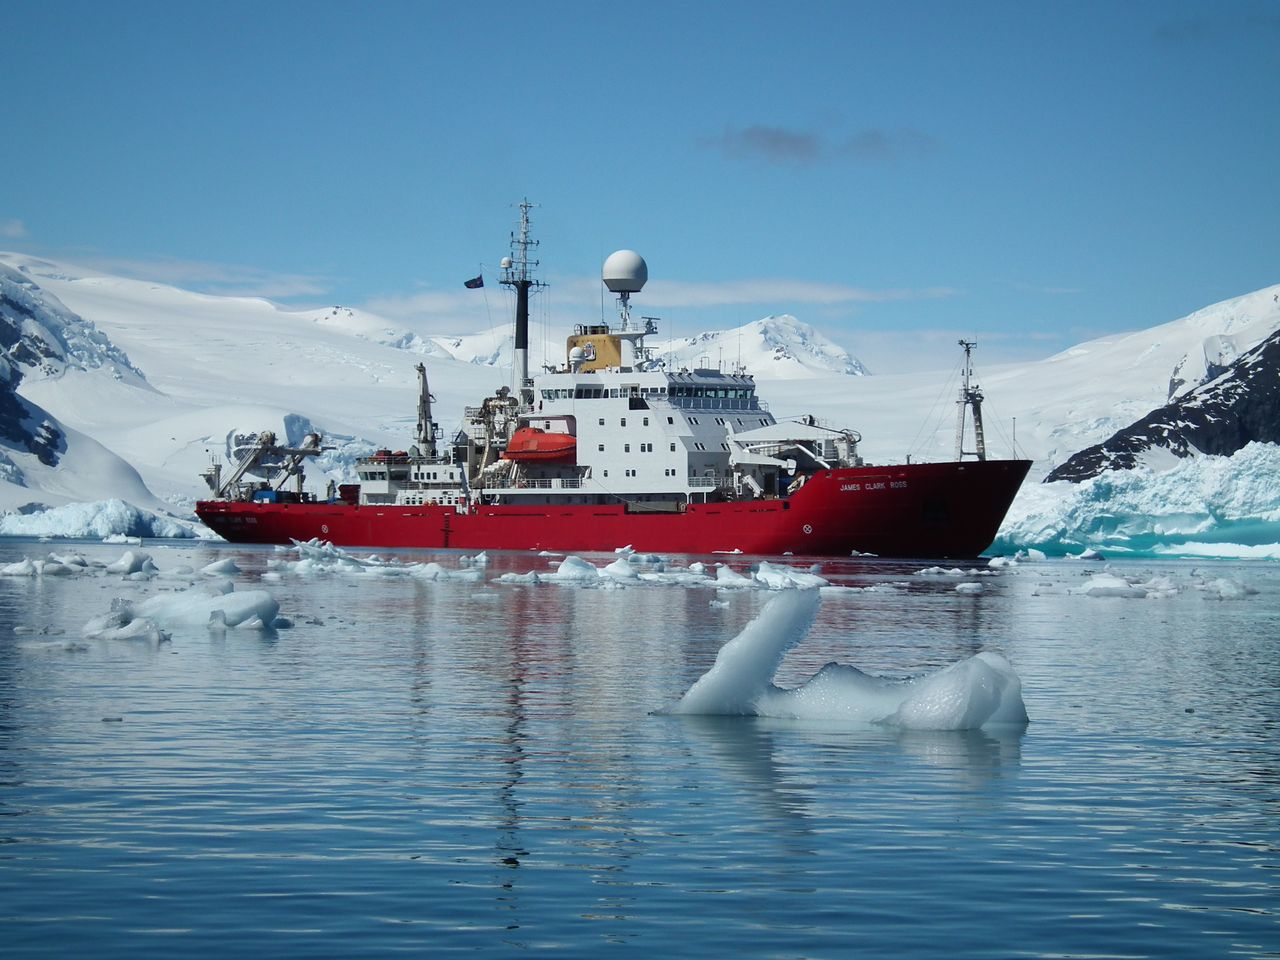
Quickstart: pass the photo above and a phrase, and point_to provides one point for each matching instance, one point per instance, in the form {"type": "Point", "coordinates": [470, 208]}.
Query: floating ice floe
{"type": "Point", "coordinates": [955, 572]}
{"type": "Point", "coordinates": [215, 605]}
{"type": "Point", "coordinates": [968, 587]}
{"type": "Point", "coordinates": [980, 691]}
{"type": "Point", "coordinates": [124, 623]}
{"type": "Point", "coordinates": [321, 558]}
{"type": "Point", "coordinates": [1225, 589]}
{"type": "Point", "coordinates": [133, 562]}
{"type": "Point", "coordinates": [779, 577]}
{"type": "Point", "coordinates": [220, 568]}
{"type": "Point", "coordinates": [1110, 585]}
{"type": "Point", "coordinates": [633, 569]}
{"type": "Point", "coordinates": [728, 577]}
{"type": "Point", "coordinates": [940, 572]}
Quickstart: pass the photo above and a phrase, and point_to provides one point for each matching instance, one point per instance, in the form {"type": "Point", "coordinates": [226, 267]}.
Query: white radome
{"type": "Point", "coordinates": [625, 272]}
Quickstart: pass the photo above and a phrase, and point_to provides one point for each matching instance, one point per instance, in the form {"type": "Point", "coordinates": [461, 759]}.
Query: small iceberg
{"type": "Point", "coordinates": [980, 691]}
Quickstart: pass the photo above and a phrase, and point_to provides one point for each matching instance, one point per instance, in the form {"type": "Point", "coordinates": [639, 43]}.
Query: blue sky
{"type": "Point", "coordinates": [1029, 174]}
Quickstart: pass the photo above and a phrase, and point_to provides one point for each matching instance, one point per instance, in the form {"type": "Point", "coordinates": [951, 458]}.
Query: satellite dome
{"type": "Point", "coordinates": [625, 272]}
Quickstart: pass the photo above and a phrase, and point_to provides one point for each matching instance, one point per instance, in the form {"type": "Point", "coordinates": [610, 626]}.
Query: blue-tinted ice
{"type": "Point", "coordinates": [980, 691]}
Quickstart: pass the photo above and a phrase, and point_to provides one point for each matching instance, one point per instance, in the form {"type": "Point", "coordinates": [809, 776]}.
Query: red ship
{"type": "Point", "coordinates": [615, 449]}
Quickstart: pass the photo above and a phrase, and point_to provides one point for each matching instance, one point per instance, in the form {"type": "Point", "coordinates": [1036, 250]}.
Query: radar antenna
{"type": "Point", "coordinates": [625, 273]}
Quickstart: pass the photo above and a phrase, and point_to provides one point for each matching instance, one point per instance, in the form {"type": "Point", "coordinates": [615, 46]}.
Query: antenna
{"type": "Point", "coordinates": [517, 272]}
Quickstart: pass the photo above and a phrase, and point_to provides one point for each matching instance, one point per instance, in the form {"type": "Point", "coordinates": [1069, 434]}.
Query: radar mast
{"type": "Point", "coordinates": [970, 396]}
{"type": "Point", "coordinates": [517, 272]}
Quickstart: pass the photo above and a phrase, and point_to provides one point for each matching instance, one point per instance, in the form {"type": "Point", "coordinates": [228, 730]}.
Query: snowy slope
{"type": "Point", "coordinates": [202, 368]}
{"type": "Point", "coordinates": [1238, 406]}
{"type": "Point", "coordinates": [775, 348]}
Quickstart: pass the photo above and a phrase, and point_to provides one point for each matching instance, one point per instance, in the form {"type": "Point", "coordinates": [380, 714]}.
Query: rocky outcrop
{"type": "Point", "coordinates": [1238, 406]}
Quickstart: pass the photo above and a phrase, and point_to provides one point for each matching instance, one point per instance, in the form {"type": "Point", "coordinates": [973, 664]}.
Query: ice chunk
{"type": "Point", "coordinates": [133, 561]}
{"type": "Point", "coordinates": [530, 577]}
{"type": "Point", "coordinates": [220, 568]}
{"type": "Point", "coordinates": [982, 690]}
{"type": "Point", "coordinates": [1225, 589]}
{"type": "Point", "coordinates": [194, 607]}
{"type": "Point", "coordinates": [968, 587]}
{"type": "Point", "coordinates": [575, 568]}
{"type": "Point", "coordinates": [775, 576]}
{"type": "Point", "coordinates": [621, 569]}
{"type": "Point", "coordinates": [726, 577]}
{"type": "Point", "coordinates": [1109, 585]}
{"type": "Point", "coordinates": [744, 668]}
{"type": "Point", "coordinates": [26, 567]}
{"type": "Point", "coordinates": [124, 623]}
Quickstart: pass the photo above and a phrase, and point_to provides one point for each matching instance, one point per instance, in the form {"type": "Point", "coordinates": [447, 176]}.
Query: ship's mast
{"type": "Point", "coordinates": [518, 273]}
{"type": "Point", "coordinates": [426, 426]}
{"type": "Point", "coordinates": [970, 396]}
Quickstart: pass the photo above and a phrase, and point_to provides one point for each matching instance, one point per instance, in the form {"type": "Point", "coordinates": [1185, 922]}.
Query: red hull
{"type": "Point", "coordinates": [913, 510]}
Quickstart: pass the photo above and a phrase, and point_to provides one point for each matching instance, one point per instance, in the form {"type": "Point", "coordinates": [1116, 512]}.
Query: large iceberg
{"type": "Point", "coordinates": [1203, 505]}
{"type": "Point", "coordinates": [980, 691]}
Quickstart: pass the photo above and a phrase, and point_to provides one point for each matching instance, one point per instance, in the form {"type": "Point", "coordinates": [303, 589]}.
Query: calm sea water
{"type": "Point", "coordinates": [446, 767]}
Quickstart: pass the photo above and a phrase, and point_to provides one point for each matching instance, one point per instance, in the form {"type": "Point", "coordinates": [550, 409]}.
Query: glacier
{"type": "Point", "coordinates": [1201, 506]}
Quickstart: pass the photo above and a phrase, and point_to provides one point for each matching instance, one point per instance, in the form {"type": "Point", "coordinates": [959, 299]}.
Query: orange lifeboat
{"type": "Point", "coordinates": [531, 445]}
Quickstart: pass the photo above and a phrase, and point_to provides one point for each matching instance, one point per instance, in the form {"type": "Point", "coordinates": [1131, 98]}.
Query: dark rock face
{"type": "Point", "coordinates": [1240, 405]}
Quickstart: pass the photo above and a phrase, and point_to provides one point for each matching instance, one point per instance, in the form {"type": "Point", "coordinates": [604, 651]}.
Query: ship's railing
{"type": "Point", "coordinates": [712, 403]}
{"type": "Point", "coordinates": [573, 483]}
{"type": "Point", "coordinates": [526, 483]}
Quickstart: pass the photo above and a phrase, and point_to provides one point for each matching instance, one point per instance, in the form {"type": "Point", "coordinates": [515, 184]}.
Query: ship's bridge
{"type": "Point", "coordinates": [697, 389]}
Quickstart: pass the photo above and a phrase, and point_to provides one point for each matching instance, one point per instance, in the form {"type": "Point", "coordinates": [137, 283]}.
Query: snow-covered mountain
{"type": "Point", "coordinates": [160, 378]}
{"type": "Point", "coordinates": [774, 348]}
{"type": "Point", "coordinates": [1238, 406]}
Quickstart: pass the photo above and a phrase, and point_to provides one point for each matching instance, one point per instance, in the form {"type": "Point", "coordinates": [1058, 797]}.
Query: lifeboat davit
{"type": "Point", "coordinates": [532, 445]}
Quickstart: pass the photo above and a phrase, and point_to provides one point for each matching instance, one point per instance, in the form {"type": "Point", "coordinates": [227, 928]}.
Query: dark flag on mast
{"type": "Point", "coordinates": [475, 283]}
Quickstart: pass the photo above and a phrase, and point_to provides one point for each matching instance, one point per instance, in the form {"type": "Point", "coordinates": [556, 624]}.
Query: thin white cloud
{"type": "Point", "coordinates": [762, 290]}
{"type": "Point", "coordinates": [773, 291]}
{"type": "Point", "coordinates": [577, 298]}
{"type": "Point", "coordinates": [13, 229]}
